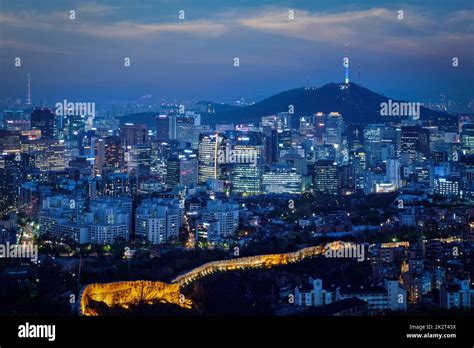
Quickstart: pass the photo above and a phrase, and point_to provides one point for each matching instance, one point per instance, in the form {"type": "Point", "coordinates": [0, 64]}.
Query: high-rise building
{"type": "Point", "coordinates": [10, 142]}
{"type": "Point", "coordinates": [295, 158]}
{"type": "Point", "coordinates": [211, 146]}
{"type": "Point", "coordinates": [49, 154]}
{"type": "Point", "coordinates": [392, 171]}
{"type": "Point", "coordinates": [372, 143]}
{"type": "Point", "coordinates": [44, 120]}
{"type": "Point", "coordinates": [307, 125]}
{"type": "Point", "coordinates": [271, 145]}
{"type": "Point", "coordinates": [74, 127]}
{"type": "Point", "coordinates": [325, 177]}
{"type": "Point", "coordinates": [159, 152]}
{"type": "Point", "coordinates": [467, 137]}
{"type": "Point", "coordinates": [246, 172]}
{"type": "Point", "coordinates": [112, 219]}
{"type": "Point", "coordinates": [447, 186]}
{"type": "Point", "coordinates": [334, 129]}
{"type": "Point", "coordinates": [109, 156]}
{"type": "Point", "coordinates": [273, 121]}
{"type": "Point", "coordinates": [182, 169]}
{"type": "Point", "coordinates": [10, 182]}
{"type": "Point", "coordinates": [64, 218]}
{"type": "Point", "coordinates": [158, 220]}
{"type": "Point", "coordinates": [282, 180]}
{"type": "Point", "coordinates": [244, 158]}
{"type": "Point", "coordinates": [415, 142]}
{"type": "Point", "coordinates": [355, 139]}
{"type": "Point", "coordinates": [162, 128]}
{"type": "Point", "coordinates": [225, 215]}
{"type": "Point", "coordinates": [113, 185]}
{"type": "Point", "coordinates": [183, 125]}
{"type": "Point", "coordinates": [138, 159]}
{"type": "Point", "coordinates": [133, 134]}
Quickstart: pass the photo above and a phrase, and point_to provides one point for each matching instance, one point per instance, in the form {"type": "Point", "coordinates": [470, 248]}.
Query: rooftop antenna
{"type": "Point", "coordinates": [28, 96]}
{"type": "Point", "coordinates": [346, 65]}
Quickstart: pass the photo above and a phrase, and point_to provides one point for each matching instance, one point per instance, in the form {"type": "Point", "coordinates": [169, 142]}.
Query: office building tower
{"type": "Point", "coordinates": [467, 138]}
{"type": "Point", "coordinates": [325, 177]}
{"type": "Point", "coordinates": [109, 156]}
{"type": "Point", "coordinates": [10, 182]}
{"type": "Point", "coordinates": [307, 125]}
{"type": "Point", "coordinates": [392, 171]}
{"type": "Point", "coordinates": [282, 180]}
{"type": "Point", "coordinates": [211, 147]}
{"type": "Point", "coordinates": [133, 134]}
{"type": "Point", "coordinates": [10, 142]}
{"type": "Point", "coordinates": [44, 120]}
{"type": "Point", "coordinates": [295, 158]}
{"type": "Point", "coordinates": [182, 169]}
{"type": "Point", "coordinates": [49, 154]}
{"type": "Point", "coordinates": [334, 129]}
{"type": "Point", "coordinates": [182, 126]}
{"type": "Point", "coordinates": [138, 158]}
{"type": "Point", "coordinates": [162, 128]}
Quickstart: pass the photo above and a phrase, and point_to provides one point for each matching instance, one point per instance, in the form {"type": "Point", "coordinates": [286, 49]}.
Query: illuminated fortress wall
{"type": "Point", "coordinates": [123, 294]}
{"type": "Point", "coordinates": [259, 261]}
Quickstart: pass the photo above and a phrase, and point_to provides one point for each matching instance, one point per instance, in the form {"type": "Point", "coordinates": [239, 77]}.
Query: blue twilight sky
{"type": "Point", "coordinates": [82, 59]}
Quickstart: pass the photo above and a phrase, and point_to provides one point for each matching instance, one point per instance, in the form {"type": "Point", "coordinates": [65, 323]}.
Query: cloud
{"type": "Point", "coordinates": [93, 26]}
{"type": "Point", "coordinates": [28, 46]}
{"type": "Point", "coordinates": [375, 29]}
{"type": "Point", "coordinates": [127, 29]}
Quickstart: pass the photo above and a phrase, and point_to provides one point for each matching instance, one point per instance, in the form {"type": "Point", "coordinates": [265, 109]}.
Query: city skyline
{"type": "Point", "coordinates": [194, 162]}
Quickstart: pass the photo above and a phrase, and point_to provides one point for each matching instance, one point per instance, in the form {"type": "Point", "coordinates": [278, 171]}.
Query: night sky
{"type": "Point", "coordinates": [83, 59]}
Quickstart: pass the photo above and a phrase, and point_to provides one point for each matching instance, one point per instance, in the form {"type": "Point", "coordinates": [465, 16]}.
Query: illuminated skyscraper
{"type": "Point", "coordinates": [48, 154]}
{"type": "Point", "coordinates": [139, 159]}
{"type": "Point", "coordinates": [325, 177]}
{"type": "Point", "coordinates": [182, 126]}
{"type": "Point", "coordinates": [182, 169]}
{"type": "Point", "coordinates": [281, 180]}
{"type": "Point", "coordinates": [392, 171]}
{"type": "Point", "coordinates": [211, 146]}
{"type": "Point", "coordinates": [109, 156]}
{"type": "Point", "coordinates": [10, 181]}
{"type": "Point", "coordinates": [334, 129]}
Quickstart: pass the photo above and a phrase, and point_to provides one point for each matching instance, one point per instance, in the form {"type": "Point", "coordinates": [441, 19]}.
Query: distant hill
{"type": "Point", "coordinates": [356, 104]}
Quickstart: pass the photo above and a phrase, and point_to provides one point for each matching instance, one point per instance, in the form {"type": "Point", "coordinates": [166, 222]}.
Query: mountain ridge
{"type": "Point", "coordinates": [357, 104]}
